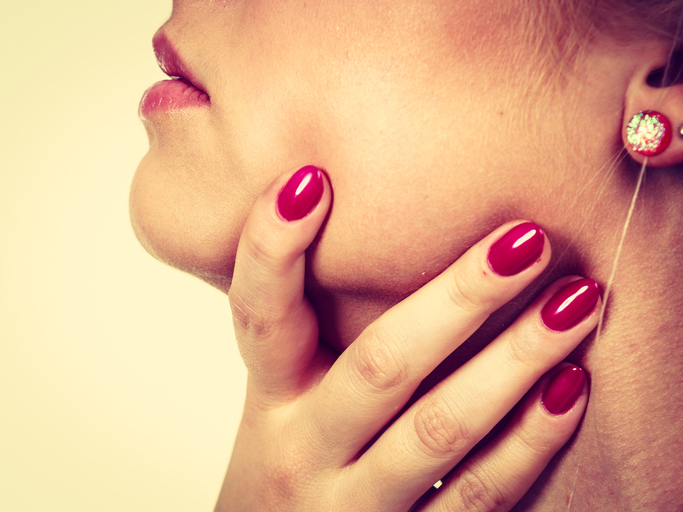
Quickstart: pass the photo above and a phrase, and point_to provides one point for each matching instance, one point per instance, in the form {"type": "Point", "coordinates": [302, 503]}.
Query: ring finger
{"type": "Point", "coordinates": [443, 426]}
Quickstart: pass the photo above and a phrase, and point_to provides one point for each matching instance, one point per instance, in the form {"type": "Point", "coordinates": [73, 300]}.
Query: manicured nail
{"type": "Point", "coordinates": [301, 194]}
{"type": "Point", "coordinates": [517, 249]}
{"type": "Point", "coordinates": [564, 390]}
{"type": "Point", "coordinates": [570, 305]}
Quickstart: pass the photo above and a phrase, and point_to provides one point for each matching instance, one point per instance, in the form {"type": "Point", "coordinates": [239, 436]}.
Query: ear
{"type": "Point", "coordinates": [656, 86]}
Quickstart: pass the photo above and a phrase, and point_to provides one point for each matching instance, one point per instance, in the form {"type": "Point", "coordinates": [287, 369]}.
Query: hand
{"type": "Point", "coordinates": [309, 413]}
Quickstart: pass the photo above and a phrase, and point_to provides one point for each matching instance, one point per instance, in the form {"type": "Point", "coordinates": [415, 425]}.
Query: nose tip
{"type": "Point", "coordinates": [159, 40]}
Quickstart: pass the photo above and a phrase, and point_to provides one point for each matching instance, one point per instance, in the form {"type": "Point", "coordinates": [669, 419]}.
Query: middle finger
{"type": "Point", "coordinates": [446, 423]}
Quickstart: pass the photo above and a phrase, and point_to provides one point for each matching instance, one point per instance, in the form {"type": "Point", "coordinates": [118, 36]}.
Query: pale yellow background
{"type": "Point", "coordinates": [120, 383]}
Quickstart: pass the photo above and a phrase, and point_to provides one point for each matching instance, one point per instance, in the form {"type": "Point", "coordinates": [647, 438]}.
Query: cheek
{"type": "Point", "coordinates": [393, 229]}
{"type": "Point", "coordinates": [412, 191]}
{"type": "Point", "coordinates": [360, 116]}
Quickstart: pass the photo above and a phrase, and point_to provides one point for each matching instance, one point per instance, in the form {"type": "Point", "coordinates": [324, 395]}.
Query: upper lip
{"type": "Point", "coordinates": [171, 63]}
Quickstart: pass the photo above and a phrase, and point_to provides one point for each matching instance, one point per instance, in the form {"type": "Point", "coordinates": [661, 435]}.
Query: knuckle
{"type": "Point", "coordinates": [523, 349]}
{"type": "Point", "coordinates": [474, 492]}
{"type": "Point", "coordinates": [464, 293]}
{"type": "Point", "coordinates": [287, 472]}
{"type": "Point", "coordinates": [246, 318]}
{"type": "Point", "coordinates": [262, 247]}
{"type": "Point", "coordinates": [535, 443]}
{"type": "Point", "coordinates": [440, 432]}
{"type": "Point", "coordinates": [378, 362]}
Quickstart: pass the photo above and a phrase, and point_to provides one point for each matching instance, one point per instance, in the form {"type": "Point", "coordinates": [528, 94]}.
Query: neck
{"type": "Point", "coordinates": [626, 454]}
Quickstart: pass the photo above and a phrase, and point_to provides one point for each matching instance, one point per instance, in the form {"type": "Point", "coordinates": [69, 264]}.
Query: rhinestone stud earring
{"type": "Point", "coordinates": [648, 133]}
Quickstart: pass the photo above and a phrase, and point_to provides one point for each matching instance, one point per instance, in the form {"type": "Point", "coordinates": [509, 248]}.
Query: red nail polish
{"type": "Point", "coordinates": [517, 249]}
{"type": "Point", "coordinates": [301, 194]}
{"type": "Point", "coordinates": [570, 305]}
{"type": "Point", "coordinates": [564, 390]}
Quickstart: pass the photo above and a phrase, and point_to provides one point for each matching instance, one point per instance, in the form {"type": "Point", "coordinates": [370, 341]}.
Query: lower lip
{"type": "Point", "coordinates": [170, 96]}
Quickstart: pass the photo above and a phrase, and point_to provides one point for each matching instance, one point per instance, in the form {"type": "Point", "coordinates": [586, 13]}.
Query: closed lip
{"type": "Point", "coordinates": [171, 63]}
{"type": "Point", "coordinates": [182, 91]}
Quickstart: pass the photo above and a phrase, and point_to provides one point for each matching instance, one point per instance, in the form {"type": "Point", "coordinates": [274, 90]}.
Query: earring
{"type": "Point", "coordinates": [648, 133]}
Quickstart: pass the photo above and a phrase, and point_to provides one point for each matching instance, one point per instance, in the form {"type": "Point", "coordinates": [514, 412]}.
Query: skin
{"type": "Point", "coordinates": [434, 126]}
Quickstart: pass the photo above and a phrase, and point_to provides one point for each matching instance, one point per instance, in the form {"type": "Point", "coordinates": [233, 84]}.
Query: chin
{"type": "Point", "coordinates": [182, 224]}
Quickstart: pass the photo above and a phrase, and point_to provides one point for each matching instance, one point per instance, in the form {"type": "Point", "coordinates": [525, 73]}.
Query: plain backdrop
{"type": "Point", "coordinates": [120, 383]}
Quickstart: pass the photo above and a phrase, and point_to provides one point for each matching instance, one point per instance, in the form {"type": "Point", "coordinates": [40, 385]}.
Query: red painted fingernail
{"type": "Point", "coordinates": [517, 249]}
{"type": "Point", "coordinates": [570, 305]}
{"type": "Point", "coordinates": [564, 390]}
{"type": "Point", "coordinates": [301, 194]}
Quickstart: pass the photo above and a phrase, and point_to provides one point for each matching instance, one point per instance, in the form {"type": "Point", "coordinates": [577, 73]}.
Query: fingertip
{"type": "Point", "coordinates": [300, 205]}
{"type": "Point", "coordinates": [289, 213]}
{"type": "Point", "coordinates": [565, 389]}
{"type": "Point", "coordinates": [301, 194]}
{"type": "Point", "coordinates": [517, 248]}
{"type": "Point", "coordinates": [577, 301]}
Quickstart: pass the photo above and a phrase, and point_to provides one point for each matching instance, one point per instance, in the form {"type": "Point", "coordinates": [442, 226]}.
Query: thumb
{"type": "Point", "coordinates": [275, 325]}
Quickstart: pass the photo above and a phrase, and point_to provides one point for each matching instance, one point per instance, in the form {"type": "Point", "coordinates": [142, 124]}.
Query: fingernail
{"type": "Point", "coordinates": [517, 249]}
{"type": "Point", "coordinates": [301, 194]}
{"type": "Point", "coordinates": [564, 390]}
{"type": "Point", "coordinates": [570, 305]}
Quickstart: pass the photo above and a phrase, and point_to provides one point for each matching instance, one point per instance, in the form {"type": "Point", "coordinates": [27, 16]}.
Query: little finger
{"type": "Point", "coordinates": [497, 476]}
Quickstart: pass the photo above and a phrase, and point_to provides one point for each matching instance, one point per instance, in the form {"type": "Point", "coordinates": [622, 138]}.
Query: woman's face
{"type": "Point", "coordinates": [417, 111]}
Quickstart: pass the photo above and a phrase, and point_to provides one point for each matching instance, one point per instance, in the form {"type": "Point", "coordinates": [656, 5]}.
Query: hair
{"type": "Point", "coordinates": [562, 30]}
{"type": "Point", "coordinates": [629, 18]}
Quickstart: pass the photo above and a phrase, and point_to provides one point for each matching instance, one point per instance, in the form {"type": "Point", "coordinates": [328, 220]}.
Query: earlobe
{"type": "Point", "coordinates": [648, 133]}
{"type": "Point", "coordinates": [653, 120]}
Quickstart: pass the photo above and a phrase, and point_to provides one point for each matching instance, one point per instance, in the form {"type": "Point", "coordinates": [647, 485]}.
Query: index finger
{"type": "Point", "coordinates": [378, 373]}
